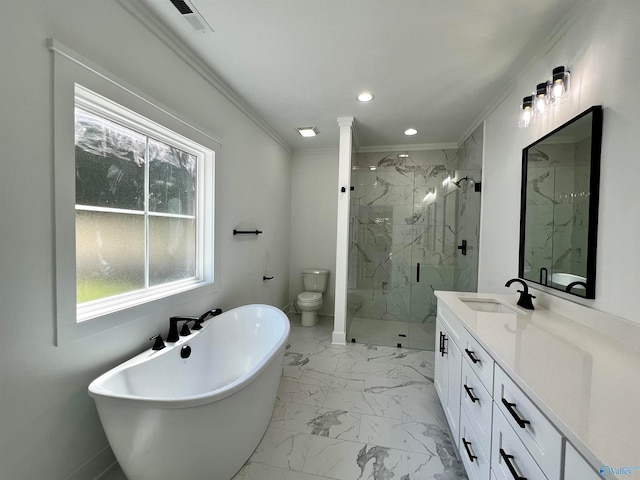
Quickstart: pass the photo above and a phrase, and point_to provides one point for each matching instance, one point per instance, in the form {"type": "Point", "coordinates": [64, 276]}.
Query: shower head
{"type": "Point", "coordinates": [468, 179]}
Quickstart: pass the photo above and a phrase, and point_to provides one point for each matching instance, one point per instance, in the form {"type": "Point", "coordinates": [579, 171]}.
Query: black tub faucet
{"type": "Point", "coordinates": [173, 328]}
{"type": "Point", "coordinates": [209, 313]}
{"type": "Point", "coordinates": [525, 297]}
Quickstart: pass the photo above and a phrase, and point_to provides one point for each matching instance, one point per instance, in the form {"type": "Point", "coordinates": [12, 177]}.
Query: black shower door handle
{"type": "Point", "coordinates": [463, 247]}
{"type": "Point", "coordinates": [418, 272]}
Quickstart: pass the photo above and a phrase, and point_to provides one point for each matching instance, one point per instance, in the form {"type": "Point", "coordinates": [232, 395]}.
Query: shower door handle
{"type": "Point", "coordinates": [418, 272]}
{"type": "Point", "coordinates": [463, 247]}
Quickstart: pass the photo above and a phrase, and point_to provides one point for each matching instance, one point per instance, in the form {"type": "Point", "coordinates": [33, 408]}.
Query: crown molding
{"type": "Point", "coordinates": [308, 152]}
{"type": "Point", "coordinates": [408, 148]}
{"type": "Point", "coordinates": [149, 20]}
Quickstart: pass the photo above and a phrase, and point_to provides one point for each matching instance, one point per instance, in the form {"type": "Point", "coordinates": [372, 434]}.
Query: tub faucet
{"type": "Point", "coordinates": [214, 312]}
{"type": "Point", "coordinates": [173, 328]}
{"type": "Point", "coordinates": [525, 297]}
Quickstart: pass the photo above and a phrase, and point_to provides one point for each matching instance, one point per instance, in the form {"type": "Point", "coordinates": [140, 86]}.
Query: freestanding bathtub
{"type": "Point", "coordinates": [201, 417]}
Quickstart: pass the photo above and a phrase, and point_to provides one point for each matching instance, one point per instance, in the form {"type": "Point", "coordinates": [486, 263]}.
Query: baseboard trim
{"type": "Point", "coordinates": [95, 467]}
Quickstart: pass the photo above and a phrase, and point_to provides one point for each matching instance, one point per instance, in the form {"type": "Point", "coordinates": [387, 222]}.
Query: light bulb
{"type": "Point", "coordinates": [558, 89]}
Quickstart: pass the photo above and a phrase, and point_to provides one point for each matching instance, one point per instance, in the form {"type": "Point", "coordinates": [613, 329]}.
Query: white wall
{"type": "Point", "coordinates": [314, 199]}
{"type": "Point", "coordinates": [49, 428]}
{"type": "Point", "coordinates": [601, 49]}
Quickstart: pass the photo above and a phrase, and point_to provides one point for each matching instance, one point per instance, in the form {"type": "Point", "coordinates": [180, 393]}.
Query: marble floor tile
{"type": "Point", "coordinates": [397, 386]}
{"type": "Point", "coordinates": [318, 421]}
{"type": "Point", "coordinates": [364, 402]}
{"type": "Point", "coordinates": [406, 435]}
{"type": "Point", "coordinates": [293, 391]}
{"type": "Point", "coordinates": [259, 471]}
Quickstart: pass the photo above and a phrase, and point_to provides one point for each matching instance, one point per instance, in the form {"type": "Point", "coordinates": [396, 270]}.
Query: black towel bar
{"type": "Point", "coordinates": [246, 232]}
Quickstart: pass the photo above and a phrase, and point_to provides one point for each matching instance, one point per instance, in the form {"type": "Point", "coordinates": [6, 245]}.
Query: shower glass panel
{"type": "Point", "coordinates": [407, 219]}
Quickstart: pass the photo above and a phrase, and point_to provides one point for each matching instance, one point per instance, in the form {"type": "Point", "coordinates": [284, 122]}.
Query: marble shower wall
{"type": "Point", "coordinates": [405, 212]}
{"type": "Point", "coordinates": [470, 165]}
{"type": "Point", "coordinates": [558, 208]}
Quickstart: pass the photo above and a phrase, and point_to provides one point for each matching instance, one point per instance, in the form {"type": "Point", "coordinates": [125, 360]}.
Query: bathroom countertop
{"type": "Point", "coordinates": [583, 377]}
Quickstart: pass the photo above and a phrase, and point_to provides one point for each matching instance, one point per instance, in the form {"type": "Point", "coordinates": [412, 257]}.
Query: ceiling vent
{"type": "Point", "coordinates": [191, 15]}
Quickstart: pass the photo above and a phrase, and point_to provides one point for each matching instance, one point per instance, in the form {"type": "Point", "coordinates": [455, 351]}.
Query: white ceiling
{"type": "Point", "coordinates": [434, 65]}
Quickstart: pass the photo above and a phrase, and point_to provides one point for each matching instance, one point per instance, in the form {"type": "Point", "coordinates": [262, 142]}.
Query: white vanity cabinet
{"type": "Point", "coordinates": [447, 371]}
{"type": "Point", "coordinates": [499, 431]}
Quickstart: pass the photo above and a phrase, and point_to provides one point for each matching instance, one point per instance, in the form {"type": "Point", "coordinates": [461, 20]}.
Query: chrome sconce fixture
{"type": "Point", "coordinates": [547, 94]}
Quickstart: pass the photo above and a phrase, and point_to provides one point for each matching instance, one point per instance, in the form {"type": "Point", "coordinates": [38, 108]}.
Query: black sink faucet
{"type": "Point", "coordinates": [525, 296]}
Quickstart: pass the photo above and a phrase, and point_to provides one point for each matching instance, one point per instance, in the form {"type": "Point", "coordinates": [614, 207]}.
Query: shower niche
{"type": "Point", "coordinates": [407, 219]}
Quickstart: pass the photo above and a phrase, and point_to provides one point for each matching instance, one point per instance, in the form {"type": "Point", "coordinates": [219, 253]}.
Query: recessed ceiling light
{"type": "Point", "coordinates": [307, 131]}
{"type": "Point", "coordinates": [403, 155]}
{"type": "Point", "coordinates": [372, 167]}
{"type": "Point", "coordinates": [410, 131]}
{"type": "Point", "coordinates": [365, 97]}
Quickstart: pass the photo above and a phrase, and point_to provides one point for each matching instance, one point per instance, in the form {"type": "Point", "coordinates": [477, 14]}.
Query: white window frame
{"type": "Point", "coordinates": [93, 103]}
{"type": "Point", "coordinates": [78, 82]}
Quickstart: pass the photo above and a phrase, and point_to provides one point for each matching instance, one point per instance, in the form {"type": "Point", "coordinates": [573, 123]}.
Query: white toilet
{"type": "Point", "coordinates": [310, 301]}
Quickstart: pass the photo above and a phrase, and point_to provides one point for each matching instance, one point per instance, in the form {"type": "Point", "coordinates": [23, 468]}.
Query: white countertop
{"type": "Point", "coordinates": [584, 378]}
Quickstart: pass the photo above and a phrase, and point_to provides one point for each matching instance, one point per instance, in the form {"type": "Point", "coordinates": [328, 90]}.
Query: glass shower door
{"type": "Point", "coordinates": [407, 222]}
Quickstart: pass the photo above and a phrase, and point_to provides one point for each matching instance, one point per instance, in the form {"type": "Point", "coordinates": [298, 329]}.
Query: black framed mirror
{"type": "Point", "coordinates": [559, 206]}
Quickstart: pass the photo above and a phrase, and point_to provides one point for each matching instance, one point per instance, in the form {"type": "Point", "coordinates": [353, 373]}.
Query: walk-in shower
{"type": "Point", "coordinates": [414, 220]}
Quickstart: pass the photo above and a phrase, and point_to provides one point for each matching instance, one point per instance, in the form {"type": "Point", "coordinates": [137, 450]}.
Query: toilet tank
{"type": "Point", "coordinates": [315, 279]}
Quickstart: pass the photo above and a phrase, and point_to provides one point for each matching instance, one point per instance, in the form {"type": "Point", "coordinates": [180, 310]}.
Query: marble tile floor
{"type": "Point", "coordinates": [352, 412]}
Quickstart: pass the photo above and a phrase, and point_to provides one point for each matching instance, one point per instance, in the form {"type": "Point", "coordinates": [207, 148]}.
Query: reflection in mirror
{"type": "Point", "coordinates": [558, 223]}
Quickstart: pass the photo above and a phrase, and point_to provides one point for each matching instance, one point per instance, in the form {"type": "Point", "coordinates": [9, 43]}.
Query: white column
{"type": "Point", "coordinates": [342, 238]}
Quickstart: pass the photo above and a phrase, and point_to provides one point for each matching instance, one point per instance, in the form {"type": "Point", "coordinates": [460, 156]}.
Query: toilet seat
{"type": "Point", "coordinates": [310, 298]}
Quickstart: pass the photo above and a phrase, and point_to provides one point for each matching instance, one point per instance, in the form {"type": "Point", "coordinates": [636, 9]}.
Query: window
{"type": "Point", "coordinates": [139, 208]}
{"type": "Point", "coordinates": [134, 202]}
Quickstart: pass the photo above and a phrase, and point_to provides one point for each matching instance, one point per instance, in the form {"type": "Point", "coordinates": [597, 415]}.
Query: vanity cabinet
{"type": "Point", "coordinates": [499, 431]}
{"type": "Point", "coordinates": [447, 371]}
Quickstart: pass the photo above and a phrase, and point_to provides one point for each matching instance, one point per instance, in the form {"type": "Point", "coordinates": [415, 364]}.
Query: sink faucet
{"type": "Point", "coordinates": [525, 297]}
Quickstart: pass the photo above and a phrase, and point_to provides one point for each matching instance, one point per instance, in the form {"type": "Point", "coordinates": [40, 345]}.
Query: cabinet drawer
{"type": "Point", "coordinates": [479, 360]}
{"type": "Point", "coordinates": [510, 460]}
{"type": "Point", "coordinates": [541, 439]}
{"type": "Point", "coordinates": [452, 323]}
{"type": "Point", "coordinates": [477, 403]}
{"type": "Point", "coordinates": [475, 460]}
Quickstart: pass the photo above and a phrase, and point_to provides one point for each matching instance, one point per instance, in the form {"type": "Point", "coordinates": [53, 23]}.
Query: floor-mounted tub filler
{"type": "Point", "coordinates": [200, 417]}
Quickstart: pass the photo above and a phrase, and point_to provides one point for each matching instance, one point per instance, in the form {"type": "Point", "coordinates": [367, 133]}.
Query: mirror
{"type": "Point", "coordinates": [559, 206]}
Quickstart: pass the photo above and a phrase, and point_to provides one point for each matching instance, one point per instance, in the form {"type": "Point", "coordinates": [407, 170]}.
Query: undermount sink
{"type": "Point", "coordinates": [488, 305]}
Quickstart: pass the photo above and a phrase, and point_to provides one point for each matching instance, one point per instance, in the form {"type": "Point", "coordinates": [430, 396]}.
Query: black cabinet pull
{"type": "Point", "coordinates": [471, 356]}
{"type": "Point", "coordinates": [472, 397]}
{"type": "Point", "coordinates": [507, 459]}
{"type": "Point", "coordinates": [418, 272]}
{"type": "Point", "coordinates": [514, 414]}
{"type": "Point", "coordinates": [443, 338]}
{"type": "Point", "coordinates": [466, 447]}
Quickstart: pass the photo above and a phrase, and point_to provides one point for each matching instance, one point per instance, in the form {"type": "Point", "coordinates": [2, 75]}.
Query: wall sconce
{"type": "Point", "coordinates": [559, 85]}
{"type": "Point", "coordinates": [552, 92]}
{"type": "Point", "coordinates": [541, 100]}
{"type": "Point", "coordinates": [526, 112]}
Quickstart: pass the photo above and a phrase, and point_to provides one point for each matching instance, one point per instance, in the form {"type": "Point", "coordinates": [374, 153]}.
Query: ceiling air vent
{"type": "Point", "coordinates": [191, 15]}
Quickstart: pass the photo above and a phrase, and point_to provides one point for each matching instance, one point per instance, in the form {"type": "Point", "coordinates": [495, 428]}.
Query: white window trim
{"type": "Point", "coordinates": [77, 79]}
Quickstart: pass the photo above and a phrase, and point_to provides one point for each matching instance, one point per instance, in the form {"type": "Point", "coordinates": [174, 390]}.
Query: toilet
{"type": "Point", "coordinates": [310, 301]}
